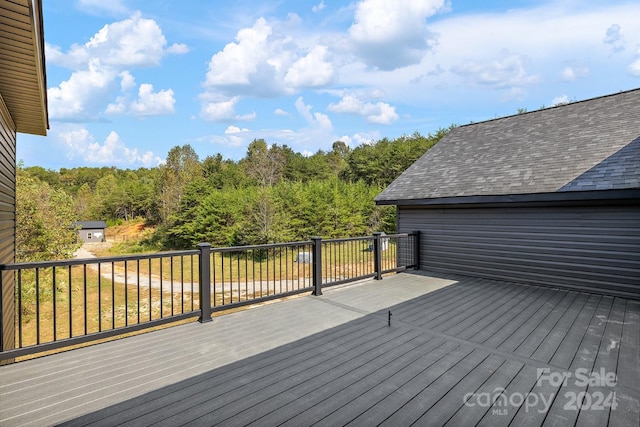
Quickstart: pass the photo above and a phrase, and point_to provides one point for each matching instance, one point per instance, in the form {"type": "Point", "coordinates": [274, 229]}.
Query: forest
{"type": "Point", "coordinates": [272, 194]}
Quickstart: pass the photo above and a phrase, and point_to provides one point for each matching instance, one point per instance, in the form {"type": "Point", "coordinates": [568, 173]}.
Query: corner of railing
{"type": "Point", "coordinates": [416, 249]}
{"type": "Point", "coordinates": [316, 256]}
{"type": "Point", "coordinates": [377, 255]}
{"type": "Point", "coordinates": [205, 282]}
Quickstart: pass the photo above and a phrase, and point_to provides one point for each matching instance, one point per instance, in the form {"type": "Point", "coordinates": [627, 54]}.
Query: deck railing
{"type": "Point", "coordinates": [64, 303]}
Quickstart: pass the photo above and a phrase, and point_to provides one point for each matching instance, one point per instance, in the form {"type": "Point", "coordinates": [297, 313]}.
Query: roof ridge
{"type": "Point", "coordinates": [561, 105]}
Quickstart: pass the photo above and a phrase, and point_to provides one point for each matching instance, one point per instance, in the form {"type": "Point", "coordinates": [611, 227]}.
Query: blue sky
{"type": "Point", "coordinates": [130, 79]}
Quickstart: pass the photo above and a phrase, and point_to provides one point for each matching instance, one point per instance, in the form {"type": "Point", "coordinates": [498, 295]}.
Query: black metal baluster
{"type": "Point", "coordinates": [181, 284]}
{"type": "Point", "coordinates": [126, 294]}
{"type": "Point", "coordinates": [138, 286]}
{"type": "Point", "coordinates": [37, 306]}
{"type": "Point", "coordinates": [191, 258]}
{"type": "Point", "coordinates": [213, 268]}
{"type": "Point", "coordinates": [222, 274]}
{"type": "Point", "coordinates": [55, 313]}
{"type": "Point", "coordinates": [84, 280]}
{"type": "Point", "coordinates": [20, 308]}
{"type": "Point", "coordinates": [70, 305]}
{"type": "Point", "coordinates": [171, 278]}
{"type": "Point", "coordinates": [161, 289]}
{"type": "Point", "coordinates": [113, 295]}
{"type": "Point", "coordinates": [150, 294]}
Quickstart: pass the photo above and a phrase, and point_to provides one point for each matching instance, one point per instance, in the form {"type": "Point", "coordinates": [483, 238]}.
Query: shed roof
{"type": "Point", "coordinates": [23, 85]}
{"type": "Point", "coordinates": [84, 225]}
{"type": "Point", "coordinates": [583, 146]}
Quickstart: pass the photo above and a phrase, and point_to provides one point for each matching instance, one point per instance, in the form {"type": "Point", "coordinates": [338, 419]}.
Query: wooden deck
{"type": "Point", "coordinates": [333, 360]}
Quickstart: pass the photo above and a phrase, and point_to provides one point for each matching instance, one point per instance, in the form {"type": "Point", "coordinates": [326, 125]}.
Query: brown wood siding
{"type": "Point", "coordinates": [590, 248]}
{"type": "Point", "coordinates": [7, 222]}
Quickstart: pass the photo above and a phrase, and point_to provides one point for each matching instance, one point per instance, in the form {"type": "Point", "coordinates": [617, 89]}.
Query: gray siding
{"type": "Point", "coordinates": [84, 235]}
{"type": "Point", "coordinates": [594, 248]}
{"type": "Point", "coordinates": [7, 222]}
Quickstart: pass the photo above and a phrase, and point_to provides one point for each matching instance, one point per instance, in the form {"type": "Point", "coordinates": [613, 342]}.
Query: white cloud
{"type": "Point", "coordinates": [178, 48]}
{"type": "Point", "coordinates": [152, 104]}
{"type": "Point", "coordinates": [127, 81]}
{"type": "Point", "coordinates": [239, 61]}
{"type": "Point", "coordinates": [634, 67]}
{"type": "Point", "coordinates": [281, 112]}
{"type": "Point", "coordinates": [148, 103]}
{"type": "Point", "coordinates": [111, 52]}
{"type": "Point", "coordinates": [235, 129]}
{"type": "Point", "coordinates": [79, 97]}
{"type": "Point", "coordinates": [135, 41]}
{"type": "Point", "coordinates": [573, 73]}
{"type": "Point", "coordinates": [560, 100]}
{"type": "Point", "coordinates": [366, 138]}
{"type": "Point", "coordinates": [505, 72]}
{"type": "Point", "coordinates": [80, 143]}
{"type": "Point", "coordinates": [317, 120]}
{"type": "Point", "coordinates": [318, 7]}
{"type": "Point", "coordinates": [312, 70]}
{"type": "Point", "coordinates": [222, 111]}
{"type": "Point", "coordinates": [380, 112]}
{"type": "Point", "coordinates": [613, 38]}
{"type": "Point", "coordinates": [393, 34]}
{"type": "Point", "coordinates": [235, 137]}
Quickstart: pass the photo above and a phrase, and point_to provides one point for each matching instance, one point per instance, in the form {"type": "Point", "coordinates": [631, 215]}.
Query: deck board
{"type": "Point", "coordinates": [334, 360]}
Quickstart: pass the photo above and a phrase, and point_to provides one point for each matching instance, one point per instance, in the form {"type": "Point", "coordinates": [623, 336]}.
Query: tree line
{"type": "Point", "coordinates": [272, 194]}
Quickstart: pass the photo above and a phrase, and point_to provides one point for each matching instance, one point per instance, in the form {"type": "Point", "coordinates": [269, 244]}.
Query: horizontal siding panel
{"type": "Point", "coordinates": [7, 223]}
{"type": "Point", "coordinates": [589, 248]}
{"type": "Point", "coordinates": [579, 250]}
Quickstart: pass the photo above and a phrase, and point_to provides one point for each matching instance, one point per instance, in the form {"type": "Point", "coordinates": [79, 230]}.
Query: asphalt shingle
{"type": "Point", "coordinates": [587, 145]}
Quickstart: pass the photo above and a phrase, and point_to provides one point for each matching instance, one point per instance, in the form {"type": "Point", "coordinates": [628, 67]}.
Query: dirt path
{"type": "Point", "coordinates": [120, 276]}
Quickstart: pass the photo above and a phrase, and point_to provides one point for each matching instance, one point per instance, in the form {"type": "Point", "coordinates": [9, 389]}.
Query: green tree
{"type": "Point", "coordinates": [44, 217]}
{"type": "Point", "coordinates": [264, 164]}
{"type": "Point", "coordinates": [181, 168]}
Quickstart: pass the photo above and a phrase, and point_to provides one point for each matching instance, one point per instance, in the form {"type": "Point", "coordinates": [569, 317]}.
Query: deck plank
{"type": "Point", "coordinates": [521, 318]}
{"type": "Point", "coordinates": [569, 346]}
{"type": "Point", "coordinates": [475, 406]}
{"type": "Point", "coordinates": [396, 400]}
{"type": "Point", "coordinates": [333, 360]}
{"type": "Point", "coordinates": [542, 332]}
{"type": "Point", "coordinates": [629, 363]}
{"type": "Point", "coordinates": [444, 409]}
{"type": "Point", "coordinates": [562, 412]}
{"type": "Point", "coordinates": [498, 316]}
{"type": "Point", "coordinates": [498, 330]}
{"type": "Point", "coordinates": [531, 324]}
{"type": "Point", "coordinates": [595, 412]}
{"type": "Point", "coordinates": [426, 396]}
{"type": "Point", "coordinates": [318, 399]}
{"type": "Point", "coordinates": [475, 320]}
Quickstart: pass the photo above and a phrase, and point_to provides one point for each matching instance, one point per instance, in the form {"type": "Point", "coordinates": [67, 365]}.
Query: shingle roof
{"type": "Point", "coordinates": [84, 225]}
{"type": "Point", "coordinates": [587, 145]}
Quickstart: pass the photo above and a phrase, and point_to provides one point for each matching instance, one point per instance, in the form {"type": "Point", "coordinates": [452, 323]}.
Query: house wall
{"type": "Point", "coordinates": [591, 248]}
{"type": "Point", "coordinates": [7, 223]}
{"type": "Point", "coordinates": [97, 235]}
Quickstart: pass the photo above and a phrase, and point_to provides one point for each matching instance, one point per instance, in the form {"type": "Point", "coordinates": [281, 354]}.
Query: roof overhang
{"type": "Point", "coordinates": [625, 196]}
{"type": "Point", "coordinates": [23, 82]}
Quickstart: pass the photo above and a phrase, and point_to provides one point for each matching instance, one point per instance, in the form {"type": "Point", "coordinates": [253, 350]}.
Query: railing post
{"type": "Point", "coordinates": [416, 250]}
{"type": "Point", "coordinates": [316, 256]}
{"type": "Point", "coordinates": [377, 255]}
{"type": "Point", "coordinates": [205, 282]}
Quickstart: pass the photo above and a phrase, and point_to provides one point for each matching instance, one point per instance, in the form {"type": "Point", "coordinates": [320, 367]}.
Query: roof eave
{"type": "Point", "coordinates": [35, 7]}
{"type": "Point", "coordinates": [29, 113]}
{"type": "Point", "coordinates": [631, 195]}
